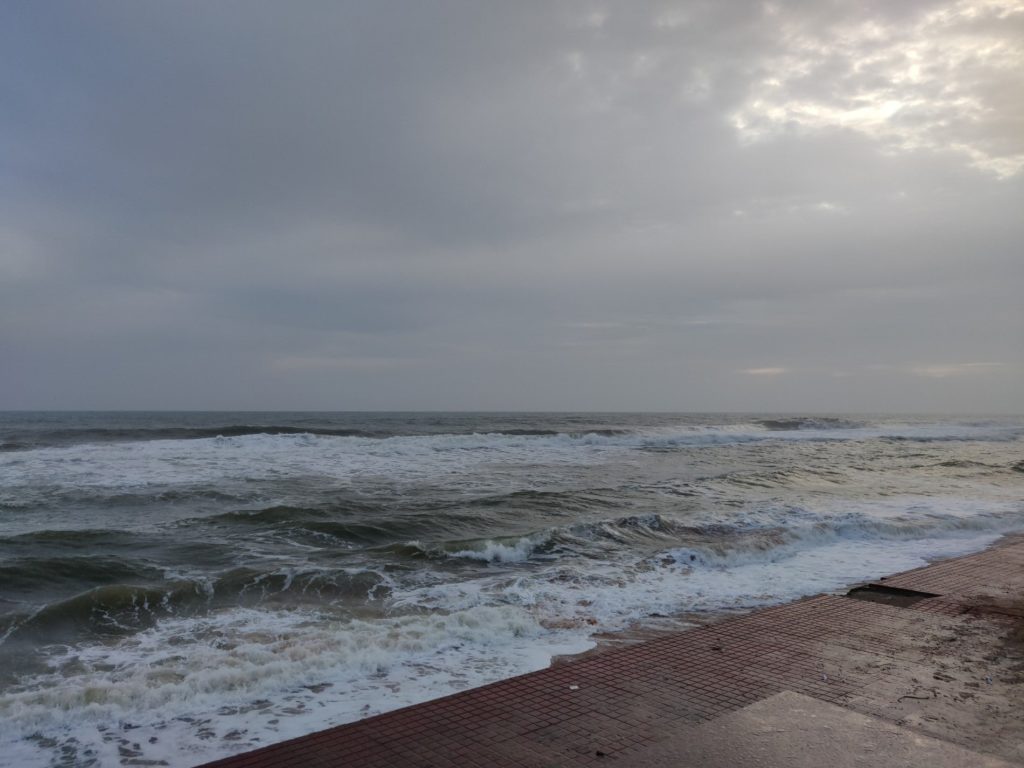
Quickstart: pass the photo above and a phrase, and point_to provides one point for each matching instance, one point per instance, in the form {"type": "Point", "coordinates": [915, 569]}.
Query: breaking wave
{"type": "Point", "coordinates": [180, 587]}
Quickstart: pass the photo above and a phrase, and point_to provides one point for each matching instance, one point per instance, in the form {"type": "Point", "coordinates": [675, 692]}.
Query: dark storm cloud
{"type": "Point", "coordinates": [442, 205]}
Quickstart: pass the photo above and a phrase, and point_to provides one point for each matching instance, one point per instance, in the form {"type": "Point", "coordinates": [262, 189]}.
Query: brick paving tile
{"type": "Point", "coordinates": [998, 570]}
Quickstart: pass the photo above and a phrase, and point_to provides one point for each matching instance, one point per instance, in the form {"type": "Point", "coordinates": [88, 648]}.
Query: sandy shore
{"type": "Point", "coordinates": [924, 667]}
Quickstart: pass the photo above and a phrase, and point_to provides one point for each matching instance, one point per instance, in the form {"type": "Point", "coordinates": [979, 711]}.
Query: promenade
{"type": "Point", "coordinates": [924, 667]}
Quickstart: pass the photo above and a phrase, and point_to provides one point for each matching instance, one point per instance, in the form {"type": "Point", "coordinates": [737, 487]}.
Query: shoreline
{"type": "Point", "coordinates": [936, 653]}
{"type": "Point", "coordinates": [644, 630]}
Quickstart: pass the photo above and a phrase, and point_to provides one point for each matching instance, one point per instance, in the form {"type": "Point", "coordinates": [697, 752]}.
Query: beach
{"type": "Point", "coordinates": [509, 383]}
{"type": "Point", "coordinates": [183, 587]}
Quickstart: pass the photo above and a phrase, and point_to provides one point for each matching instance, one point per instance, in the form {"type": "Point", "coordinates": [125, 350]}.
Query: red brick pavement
{"type": "Point", "coordinates": [597, 708]}
{"type": "Point", "coordinates": [996, 572]}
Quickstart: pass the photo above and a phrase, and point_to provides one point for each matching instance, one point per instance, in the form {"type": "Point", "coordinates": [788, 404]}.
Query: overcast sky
{"type": "Point", "coordinates": [800, 206]}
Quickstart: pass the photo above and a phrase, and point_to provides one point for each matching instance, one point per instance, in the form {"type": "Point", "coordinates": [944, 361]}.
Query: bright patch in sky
{"type": "Point", "coordinates": [928, 85]}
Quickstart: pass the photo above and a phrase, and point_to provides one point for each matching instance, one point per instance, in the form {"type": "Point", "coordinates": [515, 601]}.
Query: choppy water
{"type": "Point", "coordinates": [178, 587]}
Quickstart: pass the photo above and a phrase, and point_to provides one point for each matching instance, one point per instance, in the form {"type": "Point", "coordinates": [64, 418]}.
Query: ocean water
{"type": "Point", "coordinates": [177, 587]}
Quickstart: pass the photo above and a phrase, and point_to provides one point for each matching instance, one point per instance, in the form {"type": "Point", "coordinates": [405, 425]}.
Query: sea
{"type": "Point", "coordinates": [178, 587]}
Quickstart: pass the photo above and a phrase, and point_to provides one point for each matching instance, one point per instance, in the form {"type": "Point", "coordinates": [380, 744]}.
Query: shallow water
{"type": "Point", "coordinates": [177, 587]}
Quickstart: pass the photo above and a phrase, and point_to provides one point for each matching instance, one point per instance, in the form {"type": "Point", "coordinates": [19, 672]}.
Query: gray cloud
{"type": "Point", "coordinates": [566, 206]}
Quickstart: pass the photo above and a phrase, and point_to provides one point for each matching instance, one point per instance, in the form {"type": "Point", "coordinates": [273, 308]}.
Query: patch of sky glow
{"type": "Point", "coordinates": [340, 362]}
{"type": "Point", "coordinates": [923, 86]}
{"type": "Point", "coordinates": [672, 18]}
{"type": "Point", "coordinates": [574, 60]}
{"type": "Point", "coordinates": [697, 87]}
{"type": "Point", "coordinates": [20, 257]}
{"type": "Point", "coordinates": [798, 207]}
{"type": "Point", "coordinates": [954, 369]}
{"type": "Point", "coordinates": [644, 64]}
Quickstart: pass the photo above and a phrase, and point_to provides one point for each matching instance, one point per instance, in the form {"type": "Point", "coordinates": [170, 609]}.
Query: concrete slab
{"type": "Point", "coordinates": [797, 731]}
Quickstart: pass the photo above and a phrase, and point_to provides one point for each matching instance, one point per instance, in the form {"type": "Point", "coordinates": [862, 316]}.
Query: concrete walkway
{"type": "Point", "coordinates": [921, 668]}
{"type": "Point", "coordinates": [796, 731]}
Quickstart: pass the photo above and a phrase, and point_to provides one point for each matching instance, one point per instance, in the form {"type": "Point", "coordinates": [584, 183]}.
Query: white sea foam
{"type": "Point", "coordinates": [161, 465]}
{"type": "Point", "coordinates": [754, 571]}
{"type": "Point", "coordinates": [191, 689]}
{"type": "Point", "coordinates": [498, 552]}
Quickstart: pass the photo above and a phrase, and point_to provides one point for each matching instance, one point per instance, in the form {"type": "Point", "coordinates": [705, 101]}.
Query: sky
{"type": "Point", "coordinates": [802, 206]}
